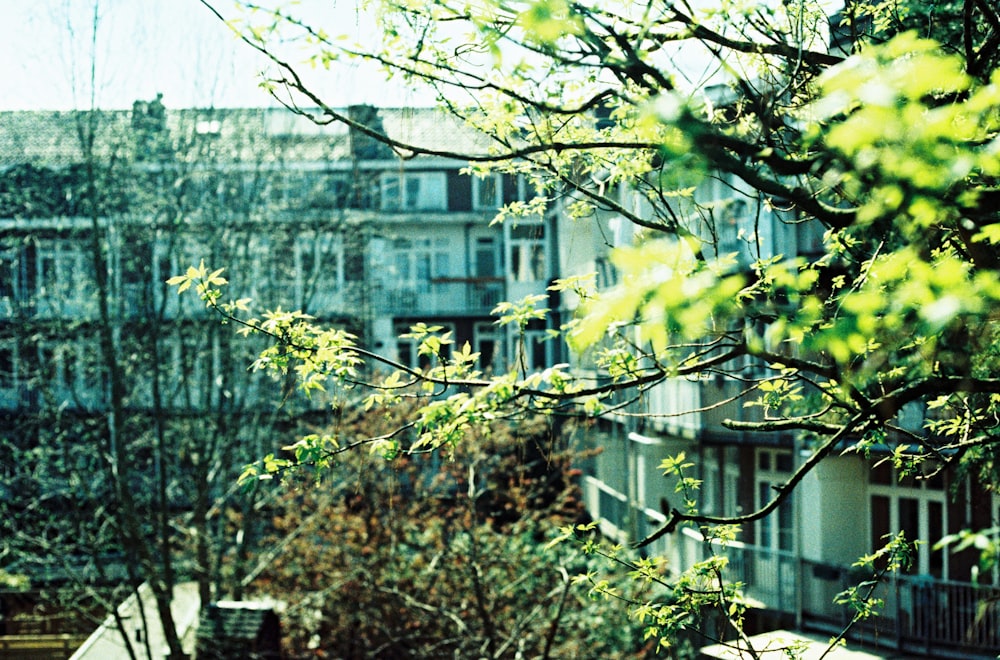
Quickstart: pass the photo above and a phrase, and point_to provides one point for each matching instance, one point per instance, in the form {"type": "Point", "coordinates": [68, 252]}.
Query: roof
{"type": "Point", "coordinates": [106, 642]}
{"type": "Point", "coordinates": [241, 629]}
{"type": "Point", "coordinates": [52, 138]}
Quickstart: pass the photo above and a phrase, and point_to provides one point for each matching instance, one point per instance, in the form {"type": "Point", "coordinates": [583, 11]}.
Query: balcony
{"type": "Point", "coordinates": [936, 618]}
{"type": "Point", "coordinates": [446, 295]}
{"type": "Point", "coordinates": [921, 615]}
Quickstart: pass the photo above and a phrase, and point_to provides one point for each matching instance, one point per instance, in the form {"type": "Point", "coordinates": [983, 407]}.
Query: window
{"type": "Point", "coordinates": [316, 190]}
{"type": "Point", "coordinates": [8, 366]}
{"type": "Point", "coordinates": [421, 259]}
{"type": "Point", "coordinates": [776, 531]}
{"type": "Point", "coordinates": [486, 257]}
{"type": "Point", "coordinates": [492, 191]}
{"type": "Point", "coordinates": [720, 482]}
{"type": "Point", "coordinates": [51, 372]}
{"type": "Point", "coordinates": [607, 274]}
{"type": "Point", "coordinates": [486, 290]}
{"type": "Point", "coordinates": [8, 260]}
{"type": "Point", "coordinates": [279, 277]}
{"type": "Point", "coordinates": [194, 361]}
{"type": "Point", "coordinates": [527, 252]}
{"type": "Point", "coordinates": [321, 257]}
{"type": "Point", "coordinates": [61, 274]}
{"type": "Point", "coordinates": [916, 507]}
{"type": "Point", "coordinates": [175, 255]}
{"type": "Point", "coordinates": [532, 350]}
{"type": "Point", "coordinates": [414, 191]}
{"type": "Point", "coordinates": [487, 192]}
{"type": "Point", "coordinates": [487, 340]}
{"type": "Point", "coordinates": [135, 263]}
{"type": "Point", "coordinates": [89, 381]}
{"type": "Point", "coordinates": [354, 260]}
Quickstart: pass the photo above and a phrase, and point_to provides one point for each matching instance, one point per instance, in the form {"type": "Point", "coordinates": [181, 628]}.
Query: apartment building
{"type": "Point", "coordinates": [794, 562]}
{"type": "Point", "coordinates": [301, 216]}
{"type": "Point", "coordinates": [324, 219]}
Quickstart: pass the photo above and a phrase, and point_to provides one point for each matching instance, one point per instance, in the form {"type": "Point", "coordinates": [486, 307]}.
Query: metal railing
{"type": "Point", "coordinates": [451, 295]}
{"type": "Point", "coordinates": [919, 615]}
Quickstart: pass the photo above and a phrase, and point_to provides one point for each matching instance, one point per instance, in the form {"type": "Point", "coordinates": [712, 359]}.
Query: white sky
{"type": "Point", "coordinates": [144, 47]}
{"type": "Point", "coordinates": [177, 48]}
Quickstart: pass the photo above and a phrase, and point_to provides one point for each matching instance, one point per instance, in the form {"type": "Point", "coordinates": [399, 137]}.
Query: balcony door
{"type": "Point", "coordinates": [916, 507]}
{"type": "Point", "coordinates": [774, 576]}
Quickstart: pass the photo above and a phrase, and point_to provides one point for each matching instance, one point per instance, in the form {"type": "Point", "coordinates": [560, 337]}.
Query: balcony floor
{"type": "Point", "coordinates": [770, 646]}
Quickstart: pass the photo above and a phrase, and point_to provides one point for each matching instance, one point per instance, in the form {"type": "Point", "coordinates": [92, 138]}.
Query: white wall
{"type": "Point", "coordinates": [833, 510]}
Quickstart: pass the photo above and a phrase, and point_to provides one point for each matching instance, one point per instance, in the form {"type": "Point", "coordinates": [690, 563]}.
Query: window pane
{"type": "Point", "coordinates": [538, 360]}
{"type": "Point", "coordinates": [909, 524]}
{"type": "Point", "coordinates": [880, 520]}
{"type": "Point", "coordinates": [423, 267]}
{"type": "Point", "coordinates": [935, 530]}
{"type": "Point", "coordinates": [486, 265]}
{"type": "Point", "coordinates": [486, 197]}
{"type": "Point", "coordinates": [527, 231]}
{"type": "Point", "coordinates": [413, 200]}
{"type": "Point", "coordinates": [786, 533]}
{"type": "Point", "coordinates": [390, 192]}
{"type": "Point", "coordinates": [510, 192]}
{"type": "Point", "coordinates": [442, 267]}
{"type": "Point", "coordinates": [7, 378]}
{"type": "Point", "coordinates": [766, 526]}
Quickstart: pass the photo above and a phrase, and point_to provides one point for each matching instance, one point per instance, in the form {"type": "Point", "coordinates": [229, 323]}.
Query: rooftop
{"type": "Point", "coordinates": [53, 138]}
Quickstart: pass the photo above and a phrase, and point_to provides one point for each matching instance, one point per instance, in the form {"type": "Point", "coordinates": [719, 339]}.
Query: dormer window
{"type": "Point", "coordinates": [208, 127]}
{"type": "Point", "coordinates": [414, 191]}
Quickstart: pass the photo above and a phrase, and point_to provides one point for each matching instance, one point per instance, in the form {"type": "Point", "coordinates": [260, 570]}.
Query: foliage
{"type": "Point", "coordinates": [13, 581]}
{"type": "Point", "coordinates": [133, 414]}
{"type": "Point", "coordinates": [886, 141]}
{"type": "Point", "coordinates": [422, 557]}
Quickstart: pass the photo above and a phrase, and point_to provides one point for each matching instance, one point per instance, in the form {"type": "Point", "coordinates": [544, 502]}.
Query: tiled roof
{"type": "Point", "coordinates": [238, 630]}
{"type": "Point", "coordinates": [432, 129]}
{"type": "Point", "coordinates": [50, 138]}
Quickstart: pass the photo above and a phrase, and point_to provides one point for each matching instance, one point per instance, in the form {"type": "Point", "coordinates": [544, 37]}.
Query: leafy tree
{"type": "Point", "coordinates": [136, 411]}
{"type": "Point", "coordinates": [886, 140]}
{"type": "Point", "coordinates": [427, 556]}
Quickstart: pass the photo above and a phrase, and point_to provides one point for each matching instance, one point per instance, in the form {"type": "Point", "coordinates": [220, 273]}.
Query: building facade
{"type": "Point", "coordinates": [99, 209]}
{"type": "Point", "coordinates": [329, 221]}
{"type": "Point", "coordinates": [794, 562]}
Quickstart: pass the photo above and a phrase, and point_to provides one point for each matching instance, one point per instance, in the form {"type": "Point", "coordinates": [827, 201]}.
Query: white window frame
{"type": "Point", "coordinates": [67, 284]}
{"type": "Point", "coordinates": [764, 482]}
{"type": "Point", "coordinates": [528, 254]}
{"type": "Point", "coordinates": [409, 252]}
{"type": "Point", "coordinates": [527, 348]}
{"type": "Point", "coordinates": [481, 192]}
{"type": "Point", "coordinates": [924, 496]}
{"type": "Point", "coordinates": [414, 191]}
{"type": "Point", "coordinates": [319, 260]}
{"type": "Point", "coordinates": [484, 332]}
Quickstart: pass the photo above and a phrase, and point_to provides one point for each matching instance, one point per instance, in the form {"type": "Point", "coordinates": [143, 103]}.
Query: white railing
{"type": "Point", "coordinates": [920, 614]}
{"type": "Point", "coordinates": [439, 296]}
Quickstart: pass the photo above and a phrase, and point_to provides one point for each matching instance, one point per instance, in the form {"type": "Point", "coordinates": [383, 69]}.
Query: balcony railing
{"type": "Point", "coordinates": [920, 614]}
{"type": "Point", "coordinates": [440, 296]}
